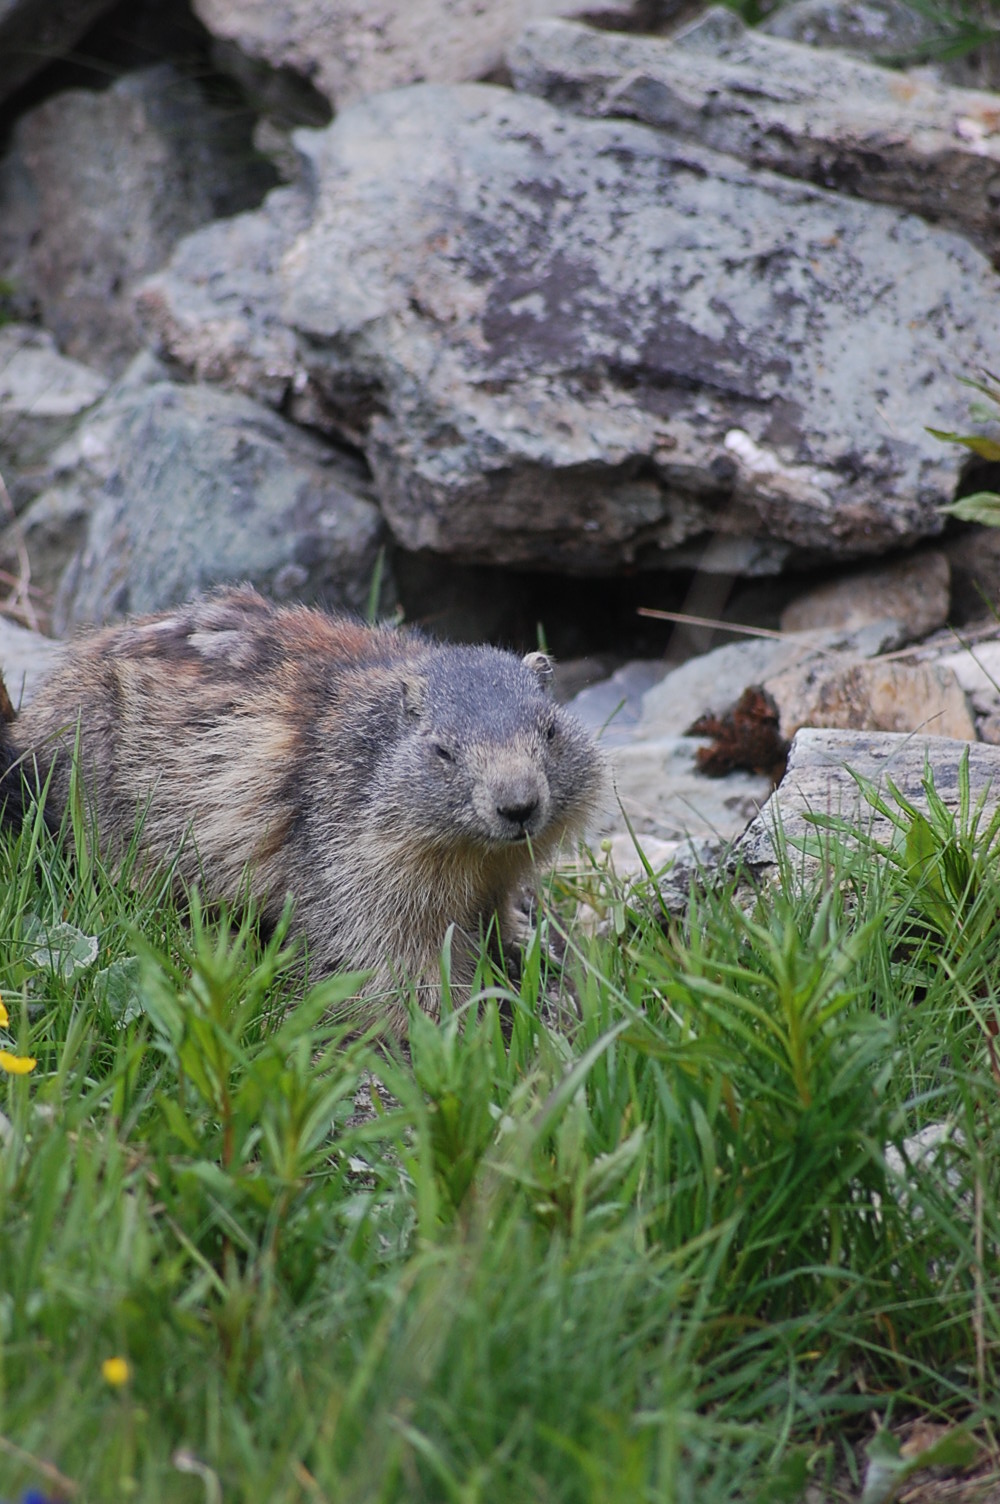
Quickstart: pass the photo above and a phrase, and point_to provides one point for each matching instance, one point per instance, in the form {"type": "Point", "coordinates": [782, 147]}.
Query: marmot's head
{"type": "Point", "coordinates": [486, 758]}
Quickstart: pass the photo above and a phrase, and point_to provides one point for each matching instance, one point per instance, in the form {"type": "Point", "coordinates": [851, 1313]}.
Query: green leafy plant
{"type": "Point", "coordinates": [980, 506]}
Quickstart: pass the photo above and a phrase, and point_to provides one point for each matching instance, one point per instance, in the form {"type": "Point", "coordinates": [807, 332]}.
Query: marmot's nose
{"type": "Point", "coordinates": [519, 814]}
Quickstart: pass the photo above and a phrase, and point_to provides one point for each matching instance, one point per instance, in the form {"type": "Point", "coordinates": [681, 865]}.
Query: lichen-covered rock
{"type": "Point", "coordinates": [813, 115]}
{"type": "Point", "coordinates": [585, 344]}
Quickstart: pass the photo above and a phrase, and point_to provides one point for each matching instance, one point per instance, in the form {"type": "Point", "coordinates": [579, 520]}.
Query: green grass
{"type": "Point", "coordinates": [666, 1257]}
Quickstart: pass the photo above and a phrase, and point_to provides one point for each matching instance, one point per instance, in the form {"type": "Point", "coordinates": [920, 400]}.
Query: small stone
{"type": "Point", "coordinates": [912, 594]}
{"type": "Point", "coordinates": [837, 691]}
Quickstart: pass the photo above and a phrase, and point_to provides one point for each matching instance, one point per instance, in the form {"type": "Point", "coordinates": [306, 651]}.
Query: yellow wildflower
{"type": "Point", "coordinates": [116, 1371]}
{"type": "Point", "coordinates": [4, 1016]}
{"type": "Point", "coordinates": [16, 1065]}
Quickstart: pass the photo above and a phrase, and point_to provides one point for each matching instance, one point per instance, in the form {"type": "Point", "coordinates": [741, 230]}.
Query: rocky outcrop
{"type": "Point", "coordinates": [612, 319]}
{"type": "Point", "coordinates": [588, 343]}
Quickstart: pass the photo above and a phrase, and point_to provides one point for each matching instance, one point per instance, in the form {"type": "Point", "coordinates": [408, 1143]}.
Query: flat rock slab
{"type": "Point", "coordinates": [819, 782]}
{"type": "Point", "coordinates": [657, 781]}
{"type": "Point", "coordinates": [816, 115]}
{"type": "Point", "coordinates": [663, 794]}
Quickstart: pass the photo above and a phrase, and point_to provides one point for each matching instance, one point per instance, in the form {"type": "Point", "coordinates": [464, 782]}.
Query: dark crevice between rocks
{"type": "Point", "coordinates": [138, 34]}
{"type": "Point", "coordinates": [135, 34]}
{"type": "Point", "coordinates": [978, 475]}
{"type": "Point", "coordinates": [576, 617]}
{"type": "Point", "coordinates": [284, 96]}
{"type": "Point", "coordinates": [650, 16]}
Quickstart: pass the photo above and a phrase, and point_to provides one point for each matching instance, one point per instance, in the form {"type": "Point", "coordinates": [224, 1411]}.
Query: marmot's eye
{"type": "Point", "coordinates": [443, 752]}
{"type": "Point", "coordinates": [550, 732]}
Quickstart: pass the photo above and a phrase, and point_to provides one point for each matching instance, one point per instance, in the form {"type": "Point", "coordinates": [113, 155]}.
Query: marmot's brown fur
{"type": "Point", "coordinates": [392, 785]}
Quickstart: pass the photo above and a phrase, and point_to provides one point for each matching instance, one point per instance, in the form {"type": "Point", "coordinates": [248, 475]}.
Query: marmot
{"type": "Point", "coordinates": [392, 785]}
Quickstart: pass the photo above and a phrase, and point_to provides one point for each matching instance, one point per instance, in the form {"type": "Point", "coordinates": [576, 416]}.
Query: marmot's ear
{"type": "Point", "coordinates": [540, 665]}
{"type": "Point", "coordinates": [414, 695]}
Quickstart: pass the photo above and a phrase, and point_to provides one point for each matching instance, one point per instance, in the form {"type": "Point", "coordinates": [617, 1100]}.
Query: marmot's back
{"type": "Point", "coordinates": [393, 785]}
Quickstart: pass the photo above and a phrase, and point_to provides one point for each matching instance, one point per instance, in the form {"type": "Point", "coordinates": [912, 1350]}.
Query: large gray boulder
{"type": "Point", "coordinates": [587, 344]}
{"type": "Point", "coordinates": [96, 189]}
{"type": "Point", "coordinates": [171, 489]}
